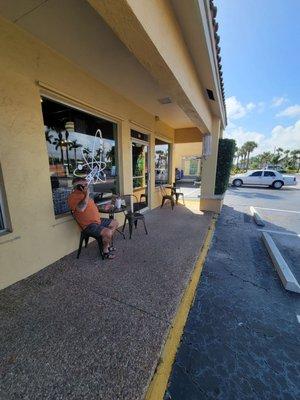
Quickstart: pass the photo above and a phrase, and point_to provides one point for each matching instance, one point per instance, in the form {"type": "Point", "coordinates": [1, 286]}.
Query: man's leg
{"type": "Point", "coordinates": [113, 225]}
{"type": "Point", "coordinates": [106, 235]}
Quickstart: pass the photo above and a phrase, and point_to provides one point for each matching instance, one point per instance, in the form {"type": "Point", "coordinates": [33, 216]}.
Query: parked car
{"type": "Point", "coordinates": [269, 178]}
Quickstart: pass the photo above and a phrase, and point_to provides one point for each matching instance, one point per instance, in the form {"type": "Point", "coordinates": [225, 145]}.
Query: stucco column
{"type": "Point", "coordinates": [124, 147]}
{"type": "Point", "coordinates": [208, 200]}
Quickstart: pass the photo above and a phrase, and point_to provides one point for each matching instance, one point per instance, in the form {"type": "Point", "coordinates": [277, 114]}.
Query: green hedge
{"type": "Point", "coordinates": [225, 159]}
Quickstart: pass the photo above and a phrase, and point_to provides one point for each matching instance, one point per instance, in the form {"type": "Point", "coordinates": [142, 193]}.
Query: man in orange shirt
{"type": "Point", "coordinates": [87, 215]}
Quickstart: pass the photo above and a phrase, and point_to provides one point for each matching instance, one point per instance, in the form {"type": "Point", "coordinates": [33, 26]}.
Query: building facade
{"type": "Point", "coordinates": [98, 82]}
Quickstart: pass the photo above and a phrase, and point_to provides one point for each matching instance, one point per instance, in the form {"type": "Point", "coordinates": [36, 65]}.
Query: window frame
{"type": "Point", "coordinates": [92, 111]}
{"type": "Point", "coordinates": [170, 160]}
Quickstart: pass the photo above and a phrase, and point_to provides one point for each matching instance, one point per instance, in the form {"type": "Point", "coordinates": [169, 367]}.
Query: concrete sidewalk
{"type": "Point", "coordinates": [93, 329]}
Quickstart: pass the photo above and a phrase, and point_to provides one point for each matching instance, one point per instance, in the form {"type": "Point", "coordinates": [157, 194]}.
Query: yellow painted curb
{"type": "Point", "coordinates": [159, 382]}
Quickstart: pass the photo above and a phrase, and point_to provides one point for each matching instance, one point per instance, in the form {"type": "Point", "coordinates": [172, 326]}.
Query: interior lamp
{"type": "Point", "coordinates": [70, 126]}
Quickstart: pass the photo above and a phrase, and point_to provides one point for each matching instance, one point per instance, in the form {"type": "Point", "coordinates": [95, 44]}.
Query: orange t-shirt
{"type": "Point", "coordinates": [89, 216]}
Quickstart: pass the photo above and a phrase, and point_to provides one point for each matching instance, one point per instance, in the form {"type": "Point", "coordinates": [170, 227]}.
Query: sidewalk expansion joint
{"type": "Point", "coordinates": [130, 305]}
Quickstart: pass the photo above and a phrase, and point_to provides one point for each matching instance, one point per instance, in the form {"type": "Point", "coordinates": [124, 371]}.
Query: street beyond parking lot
{"type": "Point", "coordinates": [241, 340]}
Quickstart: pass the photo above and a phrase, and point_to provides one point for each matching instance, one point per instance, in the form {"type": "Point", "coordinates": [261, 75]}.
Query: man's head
{"type": "Point", "coordinates": [79, 183]}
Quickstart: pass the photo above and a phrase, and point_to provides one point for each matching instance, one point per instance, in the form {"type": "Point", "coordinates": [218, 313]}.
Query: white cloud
{"type": "Point", "coordinates": [241, 135]}
{"type": "Point", "coordinates": [278, 101]}
{"type": "Point", "coordinates": [287, 137]}
{"type": "Point", "coordinates": [261, 105]}
{"type": "Point", "coordinates": [292, 111]}
{"type": "Point", "coordinates": [250, 106]}
{"type": "Point", "coordinates": [235, 109]}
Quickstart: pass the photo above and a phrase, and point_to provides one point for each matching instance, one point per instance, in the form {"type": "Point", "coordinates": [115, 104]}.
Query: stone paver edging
{"type": "Point", "coordinates": [163, 370]}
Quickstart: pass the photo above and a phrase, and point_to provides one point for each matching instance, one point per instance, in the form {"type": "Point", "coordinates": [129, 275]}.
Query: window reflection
{"type": "Point", "coordinates": [162, 154]}
{"type": "Point", "coordinates": [71, 144]}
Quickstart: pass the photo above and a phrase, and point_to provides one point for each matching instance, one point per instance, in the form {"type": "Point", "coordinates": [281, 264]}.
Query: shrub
{"type": "Point", "coordinates": [236, 170]}
{"type": "Point", "coordinates": [224, 164]}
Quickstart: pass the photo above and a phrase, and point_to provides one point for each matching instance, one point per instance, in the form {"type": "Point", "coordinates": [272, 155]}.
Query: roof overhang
{"type": "Point", "coordinates": [197, 22]}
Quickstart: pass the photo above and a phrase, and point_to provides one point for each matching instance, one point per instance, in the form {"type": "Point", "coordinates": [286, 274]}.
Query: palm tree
{"type": "Point", "coordinates": [243, 154]}
{"type": "Point", "coordinates": [74, 146]}
{"type": "Point", "coordinates": [59, 143]}
{"type": "Point", "coordinates": [286, 157]}
{"type": "Point", "coordinates": [48, 136]}
{"type": "Point", "coordinates": [67, 144]}
{"type": "Point", "coordinates": [295, 159]}
{"type": "Point", "coordinates": [265, 158]}
{"type": "Point", "coordinates": [87, 152]}
{"type": "Point", "coordinates": [99, 153]}
{"type": "Point", "coordinates": [110, 155]}
{"type": "Point", "coordinates": [276, 157]}
{"type": "Point", "coordinates": [236, 150]}
{"type": "Point", "coordinates": [249, 147]}
{"type": "Point", "coordinates": [237, 156]}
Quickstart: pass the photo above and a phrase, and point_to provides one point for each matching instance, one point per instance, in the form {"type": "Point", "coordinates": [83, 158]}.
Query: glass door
{"type": "Point", "coordinates": [140, 171]}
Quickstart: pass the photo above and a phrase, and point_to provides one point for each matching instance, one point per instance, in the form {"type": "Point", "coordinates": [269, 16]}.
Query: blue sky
{"type": "Point", "coordinates": [260, 49]}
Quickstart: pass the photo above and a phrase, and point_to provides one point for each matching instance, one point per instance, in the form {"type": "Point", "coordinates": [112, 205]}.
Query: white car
{"type": "Point", "coordinates": [263, 178]}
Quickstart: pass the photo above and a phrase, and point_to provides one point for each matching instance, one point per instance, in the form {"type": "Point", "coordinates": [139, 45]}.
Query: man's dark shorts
{"type": "Point", "coordinates": [95, 229]}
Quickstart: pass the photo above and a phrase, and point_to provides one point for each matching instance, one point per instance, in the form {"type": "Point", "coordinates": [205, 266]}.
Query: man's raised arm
{"type": "Point", "coordinates": [81, 206]}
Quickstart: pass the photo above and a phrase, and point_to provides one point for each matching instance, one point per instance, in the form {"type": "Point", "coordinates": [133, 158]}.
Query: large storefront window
{"type": "Point", "coordinates": [74, 149]}
{"type": "Point", "coordinates": [162, 156]}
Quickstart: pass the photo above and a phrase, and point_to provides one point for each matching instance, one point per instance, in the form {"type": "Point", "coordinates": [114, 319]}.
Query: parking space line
{"type": "Point", "coordinates": [279, 232]}
{"type": "Point", "coordinates": [276, 209]}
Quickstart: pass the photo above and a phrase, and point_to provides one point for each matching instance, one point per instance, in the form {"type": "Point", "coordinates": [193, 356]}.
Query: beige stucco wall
{"type": "Point", "coordinates": [188, 135]}
{"type": "Point", "coordinates": [208, 201]}
{"type": "Point", "coordinates": [186, 150]}
{"type": "Point", "coordinates": [37, 238]}
{"type": "Point", "coordinates": [151, 32]}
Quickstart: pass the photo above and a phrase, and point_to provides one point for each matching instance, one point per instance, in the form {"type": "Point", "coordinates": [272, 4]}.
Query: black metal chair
{"type": "Point", "coordinates": [143, 200]}
{"type": "Point", "coordinates": [177, 194]}
{"type": "Point", "coordinates": [84, 237]}
{"type": "Point", "coordinates": [132, 216]}
{"type": "Point", "coordinates": [166, 196]}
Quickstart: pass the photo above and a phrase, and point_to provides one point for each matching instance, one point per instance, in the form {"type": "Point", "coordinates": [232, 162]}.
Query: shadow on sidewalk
{"type": "Point", "coordinates": [87, 328]}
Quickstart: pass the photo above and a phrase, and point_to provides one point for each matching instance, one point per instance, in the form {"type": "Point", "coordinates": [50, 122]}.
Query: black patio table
{"type": "Point", "coordinates": [111, 211]}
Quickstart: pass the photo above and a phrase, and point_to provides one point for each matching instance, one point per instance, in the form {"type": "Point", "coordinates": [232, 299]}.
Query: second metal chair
{"type": "Point", "coordinates": [132, 215]}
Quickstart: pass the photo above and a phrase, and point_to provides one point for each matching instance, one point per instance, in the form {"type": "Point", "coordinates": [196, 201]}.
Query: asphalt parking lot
{"type": "Point", "coordinates": [241, 340]}
{"type": "Point", "coordinates": [280, 211]}
{"type": "Point", "coordinates": [287, 198]}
